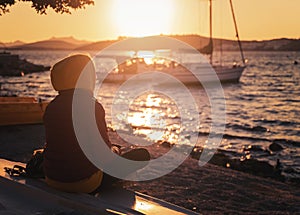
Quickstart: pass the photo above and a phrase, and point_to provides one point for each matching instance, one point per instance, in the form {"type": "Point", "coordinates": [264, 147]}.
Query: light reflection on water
{"type": "Point", "coordinates": [153, 120]}
{"type": "Point", "coordinates": [263, 107]}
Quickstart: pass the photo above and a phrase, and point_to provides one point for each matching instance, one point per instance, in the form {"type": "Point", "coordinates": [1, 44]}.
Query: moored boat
{"type": "Point", "coordinates": [204, 72]}
{"type": "Point", "coordinates": [21, 110]}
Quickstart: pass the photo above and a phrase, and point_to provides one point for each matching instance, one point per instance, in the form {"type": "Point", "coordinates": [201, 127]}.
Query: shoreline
{"type": "Point", "coordinates": [206, 189]}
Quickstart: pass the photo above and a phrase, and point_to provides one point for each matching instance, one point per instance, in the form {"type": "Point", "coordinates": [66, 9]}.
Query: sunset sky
{"type": "Point", "coordinates": [108, 19]}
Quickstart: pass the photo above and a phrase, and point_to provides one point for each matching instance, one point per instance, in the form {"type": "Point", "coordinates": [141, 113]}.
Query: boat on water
{"type": "Point", "coordinates": [182, 73]}
{"type": "Point", "coordinates": [21, 110]}
{"type": "Point", "coordinates": [13, 65]}
{"type": "Point", "coordinates": [224, 73]}
{"type": "Point", "coordinates": [137, 65]}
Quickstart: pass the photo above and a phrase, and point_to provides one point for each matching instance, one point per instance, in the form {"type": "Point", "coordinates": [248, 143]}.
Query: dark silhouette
{"type": "Point", "coordinates": [66, 167]}
{"type": "Point", "coordinates": [61, 6]}
{"type": "Point", "coordinates": [13, 65]}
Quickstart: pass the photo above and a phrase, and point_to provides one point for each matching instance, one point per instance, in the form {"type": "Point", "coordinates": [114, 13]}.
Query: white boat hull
{"type": "Point", "coordinates": [204, 75]}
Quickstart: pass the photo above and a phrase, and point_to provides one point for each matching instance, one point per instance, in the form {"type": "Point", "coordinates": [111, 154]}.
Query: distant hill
{"type": "Point", "coordinates": [140, 43]}
{"type": "Point", "coordinates": [71, 40]}
{"type": "Point", "coordinates": [97, 45]}
{"type": "Point", "coordinates": [196, 41]}
{"type": "Point", "coordinates": [53, 44]}
{"type": "Point", "coordinates": [64, 43]}
{"type": "Point", "coordinates": [199, 42]}
{"type": "Point", "coordinates": [291, 45]}
{"type": "Point", "coordinates": [282, 44]}
{"type": "Point", "coordinates": [15, 43]}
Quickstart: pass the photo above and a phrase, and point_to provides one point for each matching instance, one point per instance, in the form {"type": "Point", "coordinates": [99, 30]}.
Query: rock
{"type": "Point", "coordinates": [13, 65]}
{"type": "Point", "coordinates": [295, 181]}
{"type": "Point", "coordinates": [254, 148]}
{"type": "Point", "coordinates": [278, 165]}
{"type": "Point", "coordinates": [259, 129]}
{"type": "Point", "coordinates": [220, 159]}
{"type": "Point", "coordinates": [260, 168]}
{"type": "Point", "coordinates": [289, 170]}
{"type": "Point", "coordinates": [196, 152]}
{"type": "Point", "coordinates": [275, 147]}
{"type": "Point", "coordinates": [166, 144]}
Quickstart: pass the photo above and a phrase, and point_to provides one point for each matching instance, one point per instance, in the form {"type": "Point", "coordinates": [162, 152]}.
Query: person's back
{"type": "Point", "coordinates": [66, 167]}
{"type": "Point", "coordinates": [65, 164]}
{"type": "Point", "coordinates": [64, 160]}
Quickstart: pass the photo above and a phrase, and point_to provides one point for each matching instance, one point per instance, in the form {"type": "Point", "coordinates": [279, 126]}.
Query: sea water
{"type": "Point", "coordinates": [263, 108]}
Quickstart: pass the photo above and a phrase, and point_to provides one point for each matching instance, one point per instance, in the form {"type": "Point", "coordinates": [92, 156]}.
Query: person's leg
{"type": "Point", "coordinates": [139, 154]}
{"type": "Point", "coordinates": [107, 183]}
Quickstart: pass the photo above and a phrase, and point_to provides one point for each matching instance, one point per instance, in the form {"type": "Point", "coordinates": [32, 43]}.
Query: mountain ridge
{"type": "Point", "coordinates": [196, 41]}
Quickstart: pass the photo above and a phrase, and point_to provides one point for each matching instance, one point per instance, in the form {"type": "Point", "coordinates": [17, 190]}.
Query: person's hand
{"type": "Point", "coordinates": [116, 145]}
{"type": "Point", "coordinates": [116, 150]}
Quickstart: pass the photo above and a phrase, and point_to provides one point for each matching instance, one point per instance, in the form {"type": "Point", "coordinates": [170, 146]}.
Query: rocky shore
{"type": "Point", "coordinates": [208, 189]}
{"type": "Point", "coordinates": [13, 65]}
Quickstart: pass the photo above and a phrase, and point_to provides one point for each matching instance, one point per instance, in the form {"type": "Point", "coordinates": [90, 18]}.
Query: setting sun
{"type": "Point", "coordinates": [142, 17]}
{"type": "Point", "coordinates": [150, 106]}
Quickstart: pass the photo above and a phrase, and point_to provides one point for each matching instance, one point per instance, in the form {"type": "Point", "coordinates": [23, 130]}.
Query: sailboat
{"type": "Point", "coordinates": [137, 65]}
{"type": "Point", "coordinates": [224, 73]}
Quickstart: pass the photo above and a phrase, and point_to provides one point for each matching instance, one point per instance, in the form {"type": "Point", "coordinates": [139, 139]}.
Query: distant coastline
{"type": "Point", "coordinates": [196, 41]}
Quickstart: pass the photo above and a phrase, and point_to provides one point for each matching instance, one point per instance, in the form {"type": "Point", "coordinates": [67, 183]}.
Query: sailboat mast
{"type": "Point", "coordinates": [210, 31]}
{"type": "Point", "coordinates": [237, 33]}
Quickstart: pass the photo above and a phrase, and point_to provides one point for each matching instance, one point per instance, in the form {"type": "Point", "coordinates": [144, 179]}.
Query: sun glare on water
{"type": "Point", "coordinates": [142, 17]}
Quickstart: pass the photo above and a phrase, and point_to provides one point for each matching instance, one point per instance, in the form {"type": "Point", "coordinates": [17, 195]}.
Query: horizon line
{"type": "Point", "coordinates": [122, 36]}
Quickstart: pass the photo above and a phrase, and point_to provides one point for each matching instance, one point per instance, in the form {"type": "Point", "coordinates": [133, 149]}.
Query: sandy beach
{"type": "Point", "coordinates": [208, 189]}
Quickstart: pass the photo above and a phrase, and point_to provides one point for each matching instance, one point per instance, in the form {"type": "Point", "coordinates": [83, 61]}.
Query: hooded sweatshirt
{"type": "Point", "coordinates": [64, 161]}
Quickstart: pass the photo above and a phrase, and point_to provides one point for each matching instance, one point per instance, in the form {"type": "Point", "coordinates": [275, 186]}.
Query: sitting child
{"type": "Point", "coordinates": [65, 165]}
